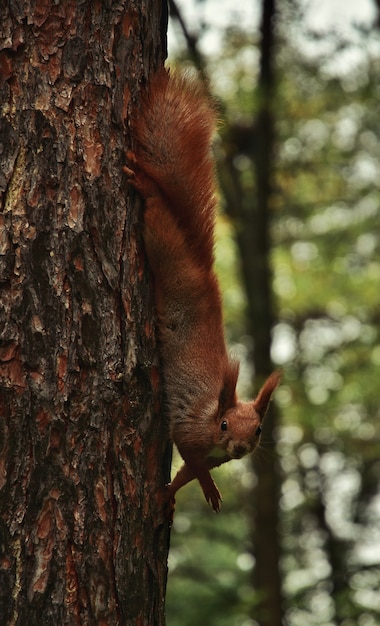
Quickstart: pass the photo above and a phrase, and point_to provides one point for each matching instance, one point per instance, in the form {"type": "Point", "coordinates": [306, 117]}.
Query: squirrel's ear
{"type": "Point", "coordinates": [264, 396]}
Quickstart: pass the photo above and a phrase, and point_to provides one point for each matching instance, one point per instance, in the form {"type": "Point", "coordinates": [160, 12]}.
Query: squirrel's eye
{"type": "Point", "coordinates": [258, 431]}
{"type": "Point", "coordinates": [224, 425]}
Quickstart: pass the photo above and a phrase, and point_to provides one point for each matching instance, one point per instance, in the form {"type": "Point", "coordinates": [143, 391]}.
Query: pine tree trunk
{"type": "Point", "coordinates": [253, 238]}
{"type": "Point", "coordinates": [266, 513]}
{"type": "Point", "coordinates": [82, 442]}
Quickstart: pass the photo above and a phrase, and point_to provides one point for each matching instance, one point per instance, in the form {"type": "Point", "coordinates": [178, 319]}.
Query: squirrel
{"type": "Point", "coordinates": [172, 167]}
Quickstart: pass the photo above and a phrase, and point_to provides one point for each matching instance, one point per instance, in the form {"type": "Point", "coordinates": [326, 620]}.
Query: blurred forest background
{"type": "Point", "coordinates": [298, 244]}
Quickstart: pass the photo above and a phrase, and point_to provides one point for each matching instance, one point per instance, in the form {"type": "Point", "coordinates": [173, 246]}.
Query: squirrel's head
{"type": "Point", "coordinates": [239, 429]}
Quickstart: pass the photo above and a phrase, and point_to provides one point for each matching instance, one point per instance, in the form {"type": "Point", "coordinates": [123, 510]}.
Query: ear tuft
{"type": "Point", "coordinates": [264, 396]}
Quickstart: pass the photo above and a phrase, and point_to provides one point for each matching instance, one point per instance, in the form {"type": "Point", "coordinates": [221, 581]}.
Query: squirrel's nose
{"type": "Point", "coordinates": [239, 450]}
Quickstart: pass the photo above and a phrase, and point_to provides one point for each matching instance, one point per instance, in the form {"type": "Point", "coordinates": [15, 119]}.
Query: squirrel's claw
{"type": "Point", "coordinates": [130, 173]}
{"type": "Point", "coordinates": [137, 178]}
{"type": "Point", "coordinates": [129, 169]}
{"type": "Point", "coordinates": [214, 499]}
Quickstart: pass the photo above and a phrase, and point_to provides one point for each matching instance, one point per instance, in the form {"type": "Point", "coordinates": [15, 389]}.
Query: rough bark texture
{"type": "Point", "coordinates": [82, 534]}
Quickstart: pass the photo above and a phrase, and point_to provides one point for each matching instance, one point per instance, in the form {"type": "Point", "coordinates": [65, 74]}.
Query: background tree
{"type": "Point", "coordinates": [324, 259]}
{"type": "Point", "coordinates": [252, 225]}
{"type": "Point", "coordinates": [250, 212]}
{"type": "Point", "coordinates": [329, 332]}
{"type": "Point", "coordinates": [83, 538]}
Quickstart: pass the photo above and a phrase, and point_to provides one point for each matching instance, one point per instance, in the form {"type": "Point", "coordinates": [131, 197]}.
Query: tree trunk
{"type": "Point", "coordinates": [253, 237]}
{"type": "Point", "coordinates": [82, 443]}
{"type": "Point", "coordinates": [265, 536]}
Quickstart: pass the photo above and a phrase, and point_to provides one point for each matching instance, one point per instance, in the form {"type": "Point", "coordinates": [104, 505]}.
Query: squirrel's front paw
{"type": "Point", "coordinates": [214, 498]}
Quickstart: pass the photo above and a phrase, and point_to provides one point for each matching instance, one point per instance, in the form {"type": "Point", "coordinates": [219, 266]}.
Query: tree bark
{"type": "Point", "coordinates": [83, 448]}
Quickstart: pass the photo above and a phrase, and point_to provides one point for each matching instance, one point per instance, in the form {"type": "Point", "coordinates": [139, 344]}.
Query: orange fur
{"type": "Point", "coordinates": [173, 169]}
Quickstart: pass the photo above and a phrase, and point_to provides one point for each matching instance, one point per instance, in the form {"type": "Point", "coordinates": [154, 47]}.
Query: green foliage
{"type": "Point", "coordinates": [326, 269]}
{"type": "Point", "coordinates": [210, 560]}
{"type": "Point", "coordinates": [226, 256]}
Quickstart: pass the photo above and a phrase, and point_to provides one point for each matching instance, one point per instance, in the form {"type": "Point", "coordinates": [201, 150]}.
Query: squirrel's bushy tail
{"type": "Point", "coordinates": [173, 124]}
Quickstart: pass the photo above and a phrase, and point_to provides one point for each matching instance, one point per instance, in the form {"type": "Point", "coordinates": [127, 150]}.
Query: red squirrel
{"type": "Point", "coordinates": [173, 169]}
